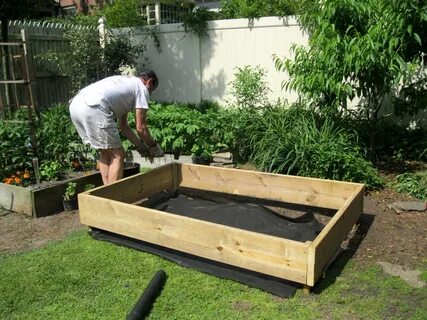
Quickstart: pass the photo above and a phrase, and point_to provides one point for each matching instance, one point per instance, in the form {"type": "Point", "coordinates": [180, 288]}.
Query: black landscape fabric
{"type": "Point", "coordinates": [247, 216]}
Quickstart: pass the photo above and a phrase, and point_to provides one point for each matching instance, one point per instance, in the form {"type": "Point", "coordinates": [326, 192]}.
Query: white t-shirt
{"type": "Point", "coordinates": [120, 94]}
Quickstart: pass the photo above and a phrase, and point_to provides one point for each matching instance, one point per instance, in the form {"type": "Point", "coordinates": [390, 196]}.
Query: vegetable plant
{"type": "Point", "coordinates": [70, 191]}
{"type": "Point", "coordinates": [88, 187]}
{"type": "Point", "coordinates": [51, 170]}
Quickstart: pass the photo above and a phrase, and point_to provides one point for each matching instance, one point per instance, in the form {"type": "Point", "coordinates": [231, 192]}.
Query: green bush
{"type": "Point", "coordinates": [51, 170]}
{"type": "Point", "coordinates": [80, 61]}
{"type": "Point", "coordinates": [414, 184]}
{"type": "Point", "coordinates": [58, 139]}
{"type": "Point", "coordinates": [185, 129]}
{"type": "Point", "coordinates": [249, 88]}
{"type": "Point", "coordinates": [298, 142]}
{"type": "Point", "coordinates": [397, 141]}
{"type": "Point", "coordinates": [58, 144]}
{"type": "Point", "coordinates": [119, 52]}
{"type": "Point", "coordinates": [233, 9]}
{"type": "Point", "coordinates": [15, 148]}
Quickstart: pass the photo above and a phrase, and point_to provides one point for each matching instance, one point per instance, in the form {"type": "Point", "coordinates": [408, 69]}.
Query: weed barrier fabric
{"type": "Point", "coordinates": [247, 216]}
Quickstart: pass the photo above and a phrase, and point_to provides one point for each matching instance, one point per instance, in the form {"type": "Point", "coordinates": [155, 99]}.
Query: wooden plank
{"type": "Point", "coordinates": [139, 186]}
{"type": "Point", "coordinates": [47, 201]}
{"type": "Point", "coordinates": [291, 189]}
{"type": "Point", "coordinates": [14, 81]}
{"type": "Point", "coordinates": [17, 199]}
{"type": "Point", "coordinates": [326, 244]}
{"type": "Point", "coordinates": [249, 250]}
{"type": "Point", "coordinates": [10, 44]}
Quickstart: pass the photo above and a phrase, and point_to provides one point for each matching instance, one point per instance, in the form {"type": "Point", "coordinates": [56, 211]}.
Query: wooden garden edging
{"type": "Point", "coordinates": [47, 200]}
{"type": "Point", "coordinates": [111, 208]}
{"type": "Point", "coordinates": [43, 201]}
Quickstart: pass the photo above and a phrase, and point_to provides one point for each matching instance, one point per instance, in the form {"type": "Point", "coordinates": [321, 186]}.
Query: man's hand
{"type": "Point", "coordinates": [143, 150]}
{"type": "Point", "coordinates": [156, 151]}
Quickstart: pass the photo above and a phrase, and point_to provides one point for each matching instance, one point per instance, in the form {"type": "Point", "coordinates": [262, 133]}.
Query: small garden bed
{"type": "Point", "coordinates": [47, 199]}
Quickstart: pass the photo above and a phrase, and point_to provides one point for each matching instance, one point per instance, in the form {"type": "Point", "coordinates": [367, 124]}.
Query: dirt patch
{"type": "Point", "coordinates": [386, 236]}
{"type": "Point", "coordinates": [242, 306]}
{"type": "Point", "coordinates": [19, 232]}
{"type": "Point", "coordinates": [412, 277]}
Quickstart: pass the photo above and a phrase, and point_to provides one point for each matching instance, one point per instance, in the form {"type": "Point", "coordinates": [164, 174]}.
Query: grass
{"type": "Point", "coordinates": [82, 278]}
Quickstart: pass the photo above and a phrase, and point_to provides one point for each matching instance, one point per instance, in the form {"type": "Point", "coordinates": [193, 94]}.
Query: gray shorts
{"type": "Point", "coordinates": [95, 124]}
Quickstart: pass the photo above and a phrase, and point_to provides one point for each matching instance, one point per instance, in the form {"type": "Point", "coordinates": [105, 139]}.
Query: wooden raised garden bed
{"type": "Point", "coordinates": [47, 200]}
{"type": "Point", "coordinates": [114, 208]}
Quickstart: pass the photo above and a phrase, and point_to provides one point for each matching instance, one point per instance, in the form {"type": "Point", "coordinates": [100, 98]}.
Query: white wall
{"type": "Point", "coordinates": [191, 69]}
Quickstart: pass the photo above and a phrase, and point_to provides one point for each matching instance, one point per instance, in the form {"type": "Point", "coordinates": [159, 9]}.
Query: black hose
{"type": "Point", "coordinates": [143, 306]}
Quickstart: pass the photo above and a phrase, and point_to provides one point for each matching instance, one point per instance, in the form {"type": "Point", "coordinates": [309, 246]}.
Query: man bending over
{"type": "Point", "coordinates": [95, 109]}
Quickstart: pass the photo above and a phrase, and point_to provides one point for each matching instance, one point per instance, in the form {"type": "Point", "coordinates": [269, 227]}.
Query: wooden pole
{"type": "Point", "coordinates": [30, 93]}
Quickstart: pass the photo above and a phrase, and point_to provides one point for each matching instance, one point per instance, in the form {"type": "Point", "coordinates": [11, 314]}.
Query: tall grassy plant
{"type": "Point", "coordinates": [296, 141]}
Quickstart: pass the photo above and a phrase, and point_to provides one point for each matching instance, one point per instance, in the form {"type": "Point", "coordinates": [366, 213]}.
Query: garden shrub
{"type": "Point", "coordinates": [120, 52]}
{"type": "Point", "coordinates": [249, 88]}
{"type": "Point", "coordinates": [297, 141]}
{"type": "Point", "coordinates": [414, 184]}
{"type": "Point", "coordinates": [238, 124]}
{"type": "Point", "coordinates": [80, 62]}
{"type": "Point", "coordinates": [234, 9]}
{"type": "Point", "coordinates": [58, 139]}
{"type": "Point", "coordinates": [58, 146]}
{"type": "Point", "coordinates": [186, 129]}
{"type": "Point", "coordinates": [198, 129]}
{"type": "Point", "coordinates": [15, 148]}
{"type": "Point", "coordinates": [397, 141]}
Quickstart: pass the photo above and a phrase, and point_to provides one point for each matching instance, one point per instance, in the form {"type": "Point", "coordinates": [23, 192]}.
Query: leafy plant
{"type": "Point", "coordinates": [249, 88]}
{"type": "Point", "coordinates": [175, 126]}
{"type": "Point", "coordinates": [51, 170]}
{"type": "Point", "coordinates": [59, 146]}
{"type": "Point", "coordinates": [70, 191]}
{"type": "Point", "coordinates": [124, 13]}
{"type": "Point", "coordinates": [364, 49]}
{"type": "Point", "coordinates": [88, 187]}
{"type": "Point", "coordinates": [188, 129]}
{"type": "Point", "coordinates": [80, 61]}
{"type": "Point", "coordinates": [58, 138]}
{"type": "Point", "coordinates": [197, 21]}
{"type": "Point", "coordinates": [234, 9]}
{"type": "Point", "coordinates": [15, 148]}
{"type": "Point", "coordinates": [119, 52]}
{"type": "Point", "coordinates": [414, 184]}
{"type": "Point", "coordinates": [296, 141]}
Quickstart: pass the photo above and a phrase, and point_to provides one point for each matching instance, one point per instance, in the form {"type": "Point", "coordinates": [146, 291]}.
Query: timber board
{"type": "Point", "coordinates": [111, 208]}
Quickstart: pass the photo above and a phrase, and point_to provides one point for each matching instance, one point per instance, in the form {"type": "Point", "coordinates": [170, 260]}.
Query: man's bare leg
{"type": "Point", "coordinates": [104, 164]}
{"type": "Point", "coordinates": [117, 159]}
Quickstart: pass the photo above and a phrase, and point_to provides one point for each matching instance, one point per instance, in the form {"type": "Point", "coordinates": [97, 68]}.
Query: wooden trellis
{"type": "Point", "coordinates": [16, 73]}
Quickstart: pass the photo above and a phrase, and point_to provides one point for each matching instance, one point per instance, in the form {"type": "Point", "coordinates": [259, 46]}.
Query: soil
{"type": "Point", "coordinates": [19, 232]}
{"type": "Point", "coordinates": [382, 234]}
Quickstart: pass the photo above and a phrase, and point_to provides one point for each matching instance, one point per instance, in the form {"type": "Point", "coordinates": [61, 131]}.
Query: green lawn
{"type": "Point", "coordinates": [82, 278]}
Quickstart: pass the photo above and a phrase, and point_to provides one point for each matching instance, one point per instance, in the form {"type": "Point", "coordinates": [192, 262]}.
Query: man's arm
{"type": "Point", "coordinates": [142, 127]}
{"type": "Point", "coordinates": [127, 131]}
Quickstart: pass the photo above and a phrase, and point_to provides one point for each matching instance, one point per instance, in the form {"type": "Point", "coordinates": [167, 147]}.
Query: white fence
{"type": "Point", "coordinates": [191, 68]}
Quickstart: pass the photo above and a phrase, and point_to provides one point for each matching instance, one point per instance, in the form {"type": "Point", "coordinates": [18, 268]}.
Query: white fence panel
{"type": "Point", "coordinates": [235, 43]}
{"type": "Point", "coordinates": [191, 68]}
